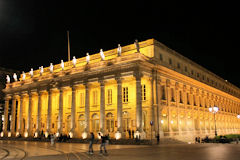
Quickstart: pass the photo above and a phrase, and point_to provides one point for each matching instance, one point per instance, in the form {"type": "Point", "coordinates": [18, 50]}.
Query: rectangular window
{"type": "Point", "coordinates": [94, 97]}
{"type": "Point", "coordinates": [143, 92]}
{"type": "Point", "coordinates": [161, 57]}
{"type": "Point", "coordinates": [125, 94]}
{"type": "Point", "coordinates": [163, 92]}
{"type": "Point", "coordinates": [172, 95]}
{"type": "Point", "coordinates": [81, 99]}
{"type": "Point", "coordinates": [109, 96]}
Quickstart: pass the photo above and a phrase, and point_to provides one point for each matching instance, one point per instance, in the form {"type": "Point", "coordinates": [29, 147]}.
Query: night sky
{"type": "Point", "coordinates": [34, 33]}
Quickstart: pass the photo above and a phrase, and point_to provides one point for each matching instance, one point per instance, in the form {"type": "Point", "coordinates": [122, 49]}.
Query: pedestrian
{"type": "Point", "coordinates": [196, 139]}
{"type": "Point", "coordinates": [158, 138]}
{"type": "Point", "coordinates": [103, 144]}
{"type": "Point", "coordinates": [90, 151]}
{"type": "Point", "coordinates": [52, 139]}
{"type": "Point", "coordinates": [237, 140]}
{"type": "Point", "coordinates": [129, 132]}
{"type": "Point", "coordinates": [132, 134]}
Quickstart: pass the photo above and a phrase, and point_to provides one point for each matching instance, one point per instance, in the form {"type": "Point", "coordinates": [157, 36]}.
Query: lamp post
{"type": "Point", "coordinates": [214, 110]}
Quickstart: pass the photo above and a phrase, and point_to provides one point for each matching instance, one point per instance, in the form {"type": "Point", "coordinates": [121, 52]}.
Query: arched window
{"type": "Point", "coordinates": [110, 122]}
{"type": "Point", "coordinates": [126, 121]}
{"type": "Point", "coordinates": [95, 123]}
{"type": "Point", "coordinates": [81, 122]}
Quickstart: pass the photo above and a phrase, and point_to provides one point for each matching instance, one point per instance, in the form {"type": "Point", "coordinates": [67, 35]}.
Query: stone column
{"type": "Point", "coordinates": [73, 110]}
{"type": "Point", "coordinates": [13, 115]}
{"type": "Point", "coordinates": [39, 112]}
{"type": "Point", "coordinates": [153, 111]}
{"type": "Point", "coordinates": [119, 104]}
{"type": "Point", "coordinates": [29, 118]}
{"type": "Point", "coordinates": [87, 108]}
{"type": "Point", "coordinates": [20, 129]}
{"type": "Point", "coordinates": [102, 107]}
{"type": "Point", "coordinates": [138, 77]}
{"type": "Point", "coordinates": [60, 111]}
{"type": "Point", "coordinates": [159, 108]}
{"type": "Point", "coordinates": [49, 114]}
{"type": "Point", "coordinates": [6, 116]}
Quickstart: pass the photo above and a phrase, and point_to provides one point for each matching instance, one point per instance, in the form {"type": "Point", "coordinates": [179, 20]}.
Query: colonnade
{"type": "Point", "coordinates": [28, 129]}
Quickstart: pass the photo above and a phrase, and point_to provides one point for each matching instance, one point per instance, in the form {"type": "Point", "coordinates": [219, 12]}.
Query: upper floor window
{"type": "Point", "coordinates": [125, 94]}
{"type": "Point", "coordinates": [143, 92]}
{"type": "Point", "coordinates": [109, 96]}
{"type": "Point", "coordinates": [95, 96]}
{"type": "Point", "coordinates": [161, 57]}
{"type": "Point", "coordinates": [170, 61]}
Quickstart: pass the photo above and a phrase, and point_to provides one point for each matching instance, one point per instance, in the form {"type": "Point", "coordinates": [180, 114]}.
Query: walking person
{"type": "Point", "coordinates": [103, 144]}
{"type": "Point", "coordinates": [90, 151]}
{"type": "Point", "coordinates": [158, 138]}
{"type": "Point", "coordinates": [132, 134]}
{"type": "Point", "coordinates": [129, 132]}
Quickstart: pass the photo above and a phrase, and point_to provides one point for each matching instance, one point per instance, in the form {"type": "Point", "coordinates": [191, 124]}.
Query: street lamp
{"type": "Point", "coordinates": [214, 110]}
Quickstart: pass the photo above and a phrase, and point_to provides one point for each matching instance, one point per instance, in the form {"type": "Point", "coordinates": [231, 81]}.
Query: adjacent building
{"type": "Point", "coordinates": [144, 87]}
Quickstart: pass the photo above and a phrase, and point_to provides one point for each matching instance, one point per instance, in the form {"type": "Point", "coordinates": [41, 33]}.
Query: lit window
{"type": "Point", "coordinates": [125, 94]}
{"type": "Point", "coordinates": [81, 99]}
{"type": "Point", "coordinates": [94, 97]}
{"type": "Point", "coordinates": [143, 92]}
{"type": "Point", "coordinates": [109, 96]}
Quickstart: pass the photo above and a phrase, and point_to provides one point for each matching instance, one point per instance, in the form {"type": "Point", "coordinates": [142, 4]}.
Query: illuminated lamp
{"type": "Point", "coordinates": [118, 135]}
{"type": "Point", "coordinates": [70, 134]}
{"type": "Point", "coordinates": [9, 134]}
{"type": "Point", "coordinates": [25, 134]}
{"type": "Point", "coordinates": [2, 134]}
{"type": "Point", "coordinates": [84, 135]}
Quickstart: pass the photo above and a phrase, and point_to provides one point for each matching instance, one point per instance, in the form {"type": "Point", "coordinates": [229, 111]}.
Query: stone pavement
{"type": "Point", "coordinates": [75, 151]}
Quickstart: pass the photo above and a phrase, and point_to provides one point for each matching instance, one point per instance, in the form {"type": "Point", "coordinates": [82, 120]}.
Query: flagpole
{"type": "Point", "coordinates": [68, 46]}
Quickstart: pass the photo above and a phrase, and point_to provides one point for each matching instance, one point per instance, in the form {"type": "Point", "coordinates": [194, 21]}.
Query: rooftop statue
{"type": "Point", "coordinates": [51, 67]}
{"type": "Point", "coordinates": [23, 76]}
{"type": "Point", "coordinates": [119, 50]}
{"type": "Point", "coordinates": [41, 70]}
{"type": "Point", "coordinates": [74, 61]}
{"type": "Point", "coordinates": [15, 77]}
{"type": "Point", "coordinates": [137, 45]}
{"type": "Point", "coordinates": [8, 79]}
{"type": "Point", "coordinates": [102, 55]}
{"type": "Point", "coordinates": [87, 58]}
{"type": "Point", "coordinates": [62, 64]}
{"type": "Point", "coordinates": [31, 72]}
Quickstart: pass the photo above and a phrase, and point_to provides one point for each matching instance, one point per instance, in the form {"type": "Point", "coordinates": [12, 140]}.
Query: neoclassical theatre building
{"type": "Point", "coordinates": [119, 90]}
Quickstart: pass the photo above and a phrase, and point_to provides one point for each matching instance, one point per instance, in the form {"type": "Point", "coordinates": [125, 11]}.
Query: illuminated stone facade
{"type": "Point", "coordinates": [124, 92]}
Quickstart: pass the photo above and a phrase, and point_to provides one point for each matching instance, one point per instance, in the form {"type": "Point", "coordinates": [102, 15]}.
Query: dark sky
{"type": "Point", "coordinates": [34, 33]}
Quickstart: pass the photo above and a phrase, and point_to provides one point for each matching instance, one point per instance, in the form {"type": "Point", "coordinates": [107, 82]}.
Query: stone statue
{"type": "Point", "coordinates": [102, 55]}
{"type": "Point", "coordinates": [62, 64]}
{"type": "Point", "coordinates": [41, 70]}
{"type": "Point", "coordinates": [15, 77]}
{"type": "Point", "coordinates": [87, 58]}
{"type": "Point", "coordinates": [31, 72]}
{"type": "Point", "coordinates": [23, 76]}
{"type": "Point", "coordinates": [51, 67]}
{"type": "Point", "coordinates": [74, 61]}
{"type": "Point", "coordinates": [137, 45]}
{"type": "Point", "coordinates": [8, 79]}
{"type": "Point", "coordinates": [119, 50]}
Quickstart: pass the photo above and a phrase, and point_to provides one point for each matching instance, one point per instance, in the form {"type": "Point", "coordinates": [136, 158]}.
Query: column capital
{"type": "Point", "coordinates": [102, 82]}
{"type": "Point", "coordinates": [138, 74]}
{"type": "Point", "coordinates": [7, 97]}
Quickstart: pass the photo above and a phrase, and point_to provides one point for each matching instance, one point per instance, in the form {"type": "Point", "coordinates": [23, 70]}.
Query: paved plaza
{"type": "Point", "coordinates": [74, 151]}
